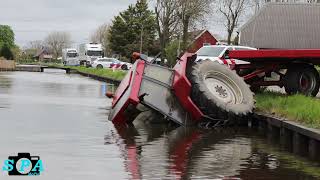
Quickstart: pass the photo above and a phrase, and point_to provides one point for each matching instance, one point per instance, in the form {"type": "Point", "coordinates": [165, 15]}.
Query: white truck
{"type": "Point", "coordinates": [90, 52]}
{"type": "Point", "coordinates": [70, 57]}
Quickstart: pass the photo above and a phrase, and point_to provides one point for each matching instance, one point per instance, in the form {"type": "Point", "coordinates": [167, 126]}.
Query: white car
{"type": "Point", "coordinates": [124, 65]}
{"type": "Point", "coordinates": [217, 52]}
{"type": "Point", "coordinates": [105, 63]}
{"type": "Point", "coordinates": [110, 63]}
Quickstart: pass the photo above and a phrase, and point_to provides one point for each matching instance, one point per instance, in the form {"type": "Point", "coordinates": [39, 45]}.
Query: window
{"type": "Point", "coordinates": [94, 53]}
{"type": "Point", "coordinates": [72, 54]}
{"type": "Point", "coordinates": [210, 51]}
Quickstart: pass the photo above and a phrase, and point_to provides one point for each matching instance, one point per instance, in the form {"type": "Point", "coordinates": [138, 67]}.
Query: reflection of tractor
{"type": "Point", "coordinates": [187, 94]}
{"type": "Point", "coordinates": [161, 151]}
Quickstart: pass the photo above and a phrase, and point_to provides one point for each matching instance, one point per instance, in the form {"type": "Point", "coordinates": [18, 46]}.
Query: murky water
{"type": "Point", "coordinates": [63, 119]}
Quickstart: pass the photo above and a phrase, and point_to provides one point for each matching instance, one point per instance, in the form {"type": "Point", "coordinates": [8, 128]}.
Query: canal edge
{"type": "Point", "coordinates": [298, 138]}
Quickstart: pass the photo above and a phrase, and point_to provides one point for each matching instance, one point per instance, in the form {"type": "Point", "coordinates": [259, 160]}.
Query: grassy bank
{"type": "Point", "coordinates": [108, 73]}
{"type": "Point", "coordinates": [305, 110]}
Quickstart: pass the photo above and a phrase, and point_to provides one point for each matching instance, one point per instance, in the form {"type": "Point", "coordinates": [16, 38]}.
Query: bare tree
{"type": "Point", "coordinates": [56, 41]}
{"type": "Point", "coordinates": [167, 21]}
{"type": "Point", "coordinates": [232, 10]}
{"type": "Point", "coordinates": [37, 44]}
{"type": "Point", "coordinates": [101, 35]}
{"type": "Point", "coordinates": [191, 12]}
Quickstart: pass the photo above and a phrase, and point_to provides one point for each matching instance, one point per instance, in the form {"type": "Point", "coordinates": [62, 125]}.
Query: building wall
{"type": "Point", "coordinates": [294, 1]}
{"type": "Point", "coordinates": [293, 26]}
{"type": "Point", "coordinates": [205, 39]}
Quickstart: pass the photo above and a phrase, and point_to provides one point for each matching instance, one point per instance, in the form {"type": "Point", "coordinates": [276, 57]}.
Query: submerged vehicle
{"type": "Point", "coordinates": [187, 94]}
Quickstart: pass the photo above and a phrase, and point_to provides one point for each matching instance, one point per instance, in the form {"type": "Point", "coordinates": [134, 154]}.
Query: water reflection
{"type": "Point", "coordinates": [166, 152]}
{"type": "Point", "coordinates": [63, 118]}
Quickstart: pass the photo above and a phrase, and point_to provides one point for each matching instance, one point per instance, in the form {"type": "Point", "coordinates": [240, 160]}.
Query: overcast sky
{"type": "Point", "coordinates": [34, 19]}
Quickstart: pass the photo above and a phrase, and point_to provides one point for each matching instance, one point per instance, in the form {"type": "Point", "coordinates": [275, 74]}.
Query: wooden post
{"type": "Point", "coordinates": [314, 148]}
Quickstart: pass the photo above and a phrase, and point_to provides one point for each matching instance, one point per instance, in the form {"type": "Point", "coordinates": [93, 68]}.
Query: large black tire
{"type": "Point", "coordinates": [219, 92]}
{"type": "Point", "coordinates": [302, 79]}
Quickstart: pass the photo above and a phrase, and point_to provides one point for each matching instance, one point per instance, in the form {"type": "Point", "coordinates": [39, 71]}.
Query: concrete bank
{"type": "Point", "coordinates": [292, 136]}
{"type": "Point", "coordinates": [100, 78]}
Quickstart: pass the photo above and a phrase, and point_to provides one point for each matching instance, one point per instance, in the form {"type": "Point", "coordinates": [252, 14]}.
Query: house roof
{"type": "Point", "coordinates": [283, 25]}
{"type": "Point", "coordinates": [193, 35]}
{"type": "Point", "coordinates": [41, 51]}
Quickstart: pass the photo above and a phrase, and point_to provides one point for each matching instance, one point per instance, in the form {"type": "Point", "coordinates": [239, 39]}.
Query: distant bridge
{"type": "Point", "coordinates": [39, 68]}
{"type": "Point", "coordinates": [55, 67]}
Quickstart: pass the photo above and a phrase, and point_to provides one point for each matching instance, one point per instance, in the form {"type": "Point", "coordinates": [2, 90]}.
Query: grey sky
{"type": "Point", "coordinates": [34, 19]}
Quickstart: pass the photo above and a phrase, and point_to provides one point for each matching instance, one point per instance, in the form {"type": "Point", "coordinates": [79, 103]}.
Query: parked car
{"type": "Point", "coordinates": [217, 52]}
{"type": "Point", "coordinates": [124, 65]}
{"type": "Point", "coordinates": [110, 63]}
{"type": "Point", "coordinates": [105, 63]}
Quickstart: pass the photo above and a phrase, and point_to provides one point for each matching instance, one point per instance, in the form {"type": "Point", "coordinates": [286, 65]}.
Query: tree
{"type": "Point", "coordinates": [231, 10]}
{"type": "Point", "coordinates": [6, 36]}
{"type": "Point", "coordinates": [56, 41]}
{"type": "Point", "coordinates": [167, 21]}
{"type": "Point", "coordinates": [101, 35]}
{"type": "Point", "coordinates": [6, 52]}
{"type": "Point", "coordinates": [133, 30]}
{"type": "Point", "coordinates": [190, 12]}
{"type": "Point", "coordinates": [171, 52]}
{"type": "Point", "coordinates": [37, 44]}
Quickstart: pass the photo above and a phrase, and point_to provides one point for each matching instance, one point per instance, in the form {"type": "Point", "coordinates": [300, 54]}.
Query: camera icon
{"type": "Point", "coordinates": [24, 165]}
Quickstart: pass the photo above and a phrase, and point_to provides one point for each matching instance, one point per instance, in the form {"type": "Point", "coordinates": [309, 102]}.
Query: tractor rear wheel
{"type": "Point", "coordinates": [219, 92]}
{"type": "Point", "coordinates": [303, 79]}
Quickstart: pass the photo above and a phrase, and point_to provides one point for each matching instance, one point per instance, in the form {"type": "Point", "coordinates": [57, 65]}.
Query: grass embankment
{"type": "Point", "coordinates": [107, 73]}
{"type": "Point", "coordinates": [299, 108]}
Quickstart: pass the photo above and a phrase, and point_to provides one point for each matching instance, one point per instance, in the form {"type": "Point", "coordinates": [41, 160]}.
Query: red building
{"type": "Point", "coordinates": [200, 38]}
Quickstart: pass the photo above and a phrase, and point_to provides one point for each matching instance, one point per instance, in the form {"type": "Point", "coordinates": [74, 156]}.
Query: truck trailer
{"type": "Point", "coordinates": [70, 57]}
{"type": "Point", "coordinates": [90, 52]}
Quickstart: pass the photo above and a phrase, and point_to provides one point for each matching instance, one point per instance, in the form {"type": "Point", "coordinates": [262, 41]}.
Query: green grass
{"type": "Point", "coordinates": [305, 110]}
{"type": "Point", "coordinates": [108, 73]}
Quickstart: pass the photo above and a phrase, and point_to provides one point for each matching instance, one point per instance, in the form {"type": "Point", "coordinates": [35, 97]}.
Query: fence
{"type": "Point", "coordinates": [7, 65]}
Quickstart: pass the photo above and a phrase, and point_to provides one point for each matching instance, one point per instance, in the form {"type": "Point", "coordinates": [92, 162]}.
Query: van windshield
{"type": "Point", "coordinates": [94, 53]}
{"type": "Point", "coordinates": [214, 51]}
{"type": "Point", "coordinates": [72, 54]}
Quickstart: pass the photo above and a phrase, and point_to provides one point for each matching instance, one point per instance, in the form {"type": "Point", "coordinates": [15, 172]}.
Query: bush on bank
{"type": "Point", "coordinates": [305, 110]}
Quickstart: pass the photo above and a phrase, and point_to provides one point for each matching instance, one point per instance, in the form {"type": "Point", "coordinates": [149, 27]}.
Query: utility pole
{"type": "Point", "coordinates": [141, 39]}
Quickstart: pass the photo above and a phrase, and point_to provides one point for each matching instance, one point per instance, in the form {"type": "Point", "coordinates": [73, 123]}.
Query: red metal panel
{"type": "Point", "coordinates": [182, 88]}
{"type": "Point", "coordinates": [122, 88]}
{"type": "Point", "coordinates": [131, 85]}
{"type": "Point", "coordinates": [134, 97]}
{"type": "Point", "coordinates": [251, 55]}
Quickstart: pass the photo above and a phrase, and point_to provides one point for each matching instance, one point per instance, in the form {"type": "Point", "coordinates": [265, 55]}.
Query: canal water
{"type": "Point", "coordinates": [63, 119]}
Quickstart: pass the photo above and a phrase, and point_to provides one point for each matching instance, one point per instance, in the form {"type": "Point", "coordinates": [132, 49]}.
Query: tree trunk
{"type": "Point", "coordinates": [229, 37]}
{"type": "Point", "coordinates": [185, 36]}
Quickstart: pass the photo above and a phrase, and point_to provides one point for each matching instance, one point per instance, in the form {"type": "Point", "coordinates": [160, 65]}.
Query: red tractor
{"type": "Point", "coordinates": [187, 94]}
